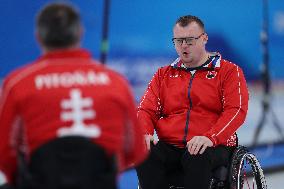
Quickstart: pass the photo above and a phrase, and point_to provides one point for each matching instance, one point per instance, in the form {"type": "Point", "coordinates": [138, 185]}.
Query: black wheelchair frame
{"type": "Point", "coordinates": [232, 176]}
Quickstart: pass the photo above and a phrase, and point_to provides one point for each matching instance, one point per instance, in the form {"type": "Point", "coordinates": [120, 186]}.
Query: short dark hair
{"type": "Point", "coordinates": [185, 20]}
{"type": "Point", "coordinates": [58, 25]}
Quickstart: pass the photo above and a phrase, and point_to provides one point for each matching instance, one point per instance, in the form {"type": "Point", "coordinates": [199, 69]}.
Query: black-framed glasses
{"type": "Point", "coordinates": [188, 40]}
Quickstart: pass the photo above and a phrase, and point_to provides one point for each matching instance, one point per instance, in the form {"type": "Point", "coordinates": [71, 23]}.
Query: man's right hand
{"type": "Point", "coordinates": [148, 140]}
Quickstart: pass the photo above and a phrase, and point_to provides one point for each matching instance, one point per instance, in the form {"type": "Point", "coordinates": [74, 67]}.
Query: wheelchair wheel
{"type": "Point", "coordinates": [244, 162]}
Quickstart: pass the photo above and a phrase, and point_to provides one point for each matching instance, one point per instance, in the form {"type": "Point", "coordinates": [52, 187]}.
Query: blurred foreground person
{"type": "Point", "coordinates": [65, 120]}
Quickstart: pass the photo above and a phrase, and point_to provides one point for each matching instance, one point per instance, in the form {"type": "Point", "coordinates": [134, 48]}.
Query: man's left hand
{"type": "Point", "coordinates": [198, 144]}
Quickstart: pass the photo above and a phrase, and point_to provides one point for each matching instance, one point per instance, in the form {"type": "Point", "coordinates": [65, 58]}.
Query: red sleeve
{"type": "Point", "coordinates": [7, 121]}
{"type": "Point", "coordinates": [149, 109]}
{"type": "Point", "coordinates": [134, 149]}
{"type": "Point", "coordinates": [235, 106]}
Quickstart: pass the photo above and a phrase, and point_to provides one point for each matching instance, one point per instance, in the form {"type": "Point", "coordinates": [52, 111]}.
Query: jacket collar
{"type": "Point", "coordinates": [214, 62]}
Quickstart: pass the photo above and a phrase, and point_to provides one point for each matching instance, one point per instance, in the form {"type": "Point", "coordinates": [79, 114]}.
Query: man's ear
{"type": "Point", "coordinates": [205, 39]}
{"type": "Point", "coordinates": [81, 31]}
{"type": "Point", "coordinates": [37, 37]}
{"type": "Point", "coordinates": [40, 42]}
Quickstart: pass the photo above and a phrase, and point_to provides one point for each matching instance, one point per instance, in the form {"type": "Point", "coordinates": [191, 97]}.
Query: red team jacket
{"type": "Point", "coordinates": [211, 100]}
{"type": "Point", "coordinates": [68, 93]}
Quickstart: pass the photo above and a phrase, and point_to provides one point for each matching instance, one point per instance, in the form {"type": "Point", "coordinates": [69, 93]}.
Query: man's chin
{"type": "Point", "coordinates": [186, 60]}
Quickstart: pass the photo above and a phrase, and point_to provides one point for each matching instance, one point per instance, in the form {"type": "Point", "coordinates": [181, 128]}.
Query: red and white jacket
{"type": "Point", "coordinates": [211, 101]}
{"type": "Point", "coordinates": [67, 93]}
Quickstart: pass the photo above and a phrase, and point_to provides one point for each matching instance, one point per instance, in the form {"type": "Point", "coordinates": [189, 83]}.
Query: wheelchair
{"type": "Point", "coordinates": [244, 172]}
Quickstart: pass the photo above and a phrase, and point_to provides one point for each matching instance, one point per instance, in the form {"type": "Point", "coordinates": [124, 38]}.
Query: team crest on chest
{"type": "Point", "coordinates": [211, 74]}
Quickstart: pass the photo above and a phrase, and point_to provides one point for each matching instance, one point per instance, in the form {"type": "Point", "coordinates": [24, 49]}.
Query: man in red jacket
{"type": "Point", "coordinates": [195, 105]}
{"type": "Point", "coordinates": [62, 94]}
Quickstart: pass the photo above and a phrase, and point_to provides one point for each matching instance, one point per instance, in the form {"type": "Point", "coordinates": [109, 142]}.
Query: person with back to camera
{"type": "Point", "coordinates": [195, 105]}
{"type": "Point", "coordinates": [66, 97]}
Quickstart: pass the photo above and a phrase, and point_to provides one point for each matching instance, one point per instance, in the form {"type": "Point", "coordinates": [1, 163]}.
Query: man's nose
{"type": "Point", "coordinates": [184, 43]}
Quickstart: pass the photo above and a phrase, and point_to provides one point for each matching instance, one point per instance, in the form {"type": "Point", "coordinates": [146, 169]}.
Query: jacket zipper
{"type": "Point", "coordinates": [188, 111]}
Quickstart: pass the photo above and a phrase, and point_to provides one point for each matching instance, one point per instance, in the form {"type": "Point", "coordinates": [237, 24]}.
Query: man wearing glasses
{"type": "Point", "coordinates": [195, 105]}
